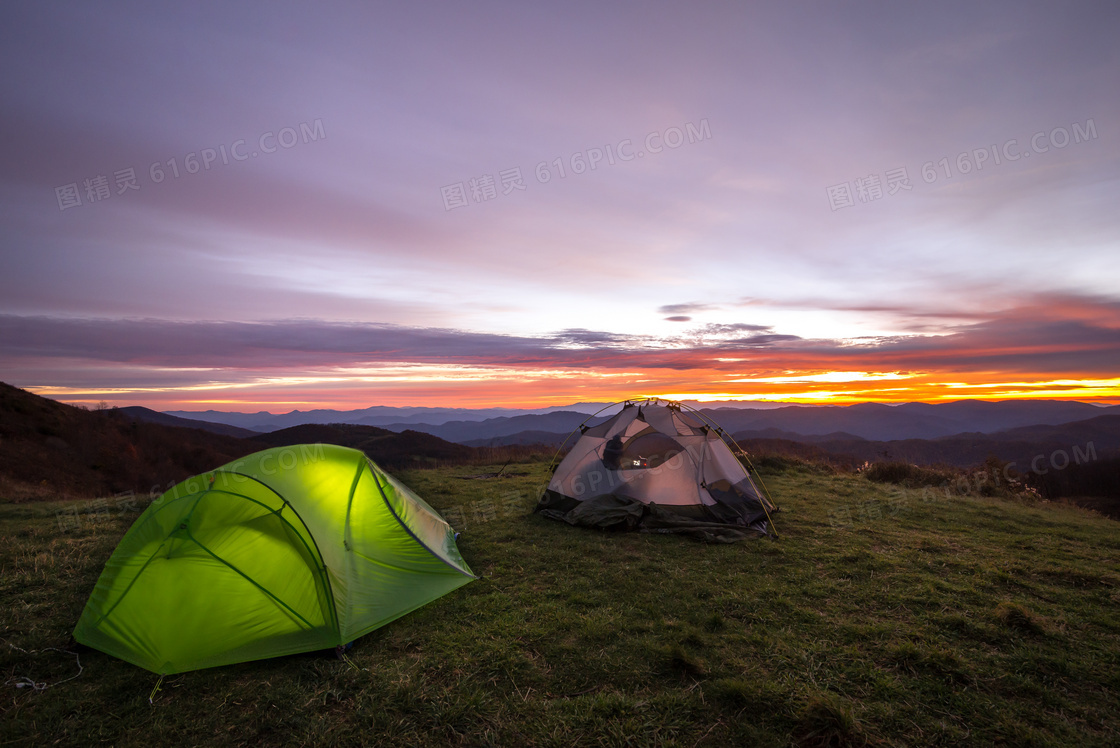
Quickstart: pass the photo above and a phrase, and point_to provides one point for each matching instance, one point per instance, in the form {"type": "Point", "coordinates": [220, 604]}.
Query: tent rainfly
{"type": "Point", "coordinates": [657, 466]}
{"type": "Point", "coordinates": [292, 549]}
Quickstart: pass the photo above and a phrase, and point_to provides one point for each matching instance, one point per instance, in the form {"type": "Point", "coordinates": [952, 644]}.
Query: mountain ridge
{"type": "Point", "coordinates": [876, 421]}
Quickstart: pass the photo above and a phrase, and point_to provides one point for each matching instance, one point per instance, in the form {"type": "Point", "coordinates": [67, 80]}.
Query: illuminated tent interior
{"type": "Point", "coordinates": [293, 549]}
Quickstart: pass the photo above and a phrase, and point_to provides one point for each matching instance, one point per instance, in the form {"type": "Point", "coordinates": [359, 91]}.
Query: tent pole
{"type": "Point", "coordinates": [739, 451]}
{"type": "Point", "coordinates": [552, 463]}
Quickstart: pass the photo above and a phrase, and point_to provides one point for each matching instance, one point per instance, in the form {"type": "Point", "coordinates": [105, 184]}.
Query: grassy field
{"type": "Point", "coordinates": [883, 616]}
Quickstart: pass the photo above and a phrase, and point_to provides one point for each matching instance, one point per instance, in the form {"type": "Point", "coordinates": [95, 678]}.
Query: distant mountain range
{"type": "Point", "coordinates": [377, 415]}
{"type": "Point", "coordinates": [962, 433]}
{"type": "Point", "coordinates": [871, 421]}
{"type": "Point", "coordinates": [46, 446]}
{"type": "Point", "coordinates": [1040, 447]}
{"type": "Point", "coordinates": [910, 420]}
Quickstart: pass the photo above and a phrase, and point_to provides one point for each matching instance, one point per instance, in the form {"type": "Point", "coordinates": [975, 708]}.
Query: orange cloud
{"type": "Point", "coordinates": [1059, 347]}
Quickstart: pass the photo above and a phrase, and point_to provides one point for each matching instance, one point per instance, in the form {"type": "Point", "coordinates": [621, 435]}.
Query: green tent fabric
{"type": "Point", "coordinates": [292, 549]}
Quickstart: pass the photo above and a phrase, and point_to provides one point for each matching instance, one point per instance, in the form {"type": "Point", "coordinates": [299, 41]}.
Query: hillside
{"type": "Point", "coordinates": [549, 439]}
{"type": "Point", "coordinates": [49, 448]}
{"type": "Point", "coordinates": [386, 448]}
{"type": "Point", "coordinates": [138, 413]}
{"type": "Point", "coordinates": [497, 430]}
{"type": "Point", "coordinates": [883, 616]}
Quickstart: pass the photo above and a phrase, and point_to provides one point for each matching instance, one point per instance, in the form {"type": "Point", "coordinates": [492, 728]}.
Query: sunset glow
{"type": "Point", "coordinates": [549, 388]}
{"type": "Point", "coordinates": [346, 206]}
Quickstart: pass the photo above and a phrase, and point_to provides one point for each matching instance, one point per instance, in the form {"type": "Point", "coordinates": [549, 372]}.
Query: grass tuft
{"type": "Point", "coordinates": [825, 721]}
{"type": "Point", "coordinates": [757, 694]}
{"type": "Point", "coordinates": [714, 622]}
{"type": "Point", "coordinates": [679, 661]}
{"type": "Point", "coordinates": [1018, 617]}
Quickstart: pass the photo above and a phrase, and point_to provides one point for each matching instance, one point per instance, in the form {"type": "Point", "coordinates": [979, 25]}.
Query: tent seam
{"type": "Point", "coordinates": [155, 553]}
{"type": "Point", "coordinates": [323, 564]}
{"type": "Point", "coordinates": [413, 535]}
{"type": "Point", "coordinates": [251, 581]}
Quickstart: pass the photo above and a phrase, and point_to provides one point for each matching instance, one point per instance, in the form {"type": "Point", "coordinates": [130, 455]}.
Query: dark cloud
{"type": "Point", "coordinates": [240, 344]}
{"type": "Point", "coordinates": [754, 341]}
{"type": "Point", "coordinates": [591, 338]}
{"type": "Point", "coordinates": [685, 308]}
{"type": "Point", "coordinates": [1060, 336]}
{"type": "Point", "coordinates": [678, 318]}
{"type": "Point", "coordinates": [724, 329]}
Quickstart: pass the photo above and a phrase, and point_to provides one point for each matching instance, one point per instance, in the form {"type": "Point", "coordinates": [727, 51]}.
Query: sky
{"type": "Point", "coordinates": [273, 206]}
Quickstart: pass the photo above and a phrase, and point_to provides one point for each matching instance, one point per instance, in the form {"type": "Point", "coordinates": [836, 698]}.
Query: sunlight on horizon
{"type": "Point", "coordinates": [828, 388]}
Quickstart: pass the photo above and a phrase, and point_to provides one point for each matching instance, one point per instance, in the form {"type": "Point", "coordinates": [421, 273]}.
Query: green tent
{"type": "Point", "coordinates": [292, 549]}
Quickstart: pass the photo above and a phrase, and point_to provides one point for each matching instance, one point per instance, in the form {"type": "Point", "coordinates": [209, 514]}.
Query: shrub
{"type": "Point", "coordinates": [905, 474]}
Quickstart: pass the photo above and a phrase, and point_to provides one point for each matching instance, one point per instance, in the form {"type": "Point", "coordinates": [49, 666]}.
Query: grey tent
{"type": "Point", "coordinates": [657, 466]}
